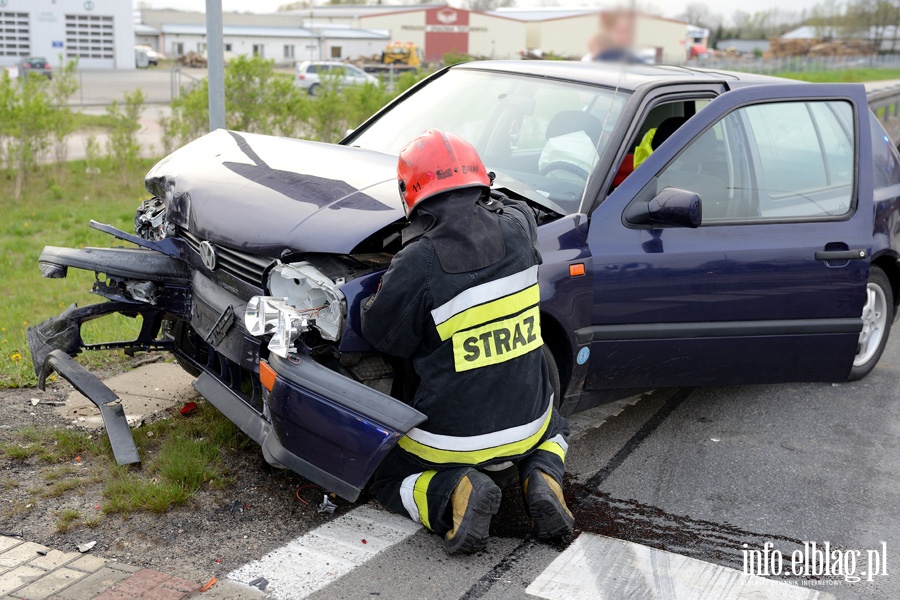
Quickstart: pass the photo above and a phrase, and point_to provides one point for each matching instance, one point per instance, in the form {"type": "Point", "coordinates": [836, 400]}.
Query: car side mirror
{"type": "Point", "coordinates": [676, 207]}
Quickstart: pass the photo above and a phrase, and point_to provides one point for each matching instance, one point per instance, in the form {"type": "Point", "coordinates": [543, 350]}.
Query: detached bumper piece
{"type": "Point", "coordinates": [106, 400]}
{"type": "Point", "coordinates": [324, 426]}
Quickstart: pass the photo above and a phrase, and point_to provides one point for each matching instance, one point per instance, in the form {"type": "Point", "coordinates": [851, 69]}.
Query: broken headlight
{"type": "Point", "coordinates": [301, 298]}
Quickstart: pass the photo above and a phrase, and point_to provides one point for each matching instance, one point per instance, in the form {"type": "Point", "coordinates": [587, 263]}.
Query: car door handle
{"type": "Point", "coordinates": [840, 254]}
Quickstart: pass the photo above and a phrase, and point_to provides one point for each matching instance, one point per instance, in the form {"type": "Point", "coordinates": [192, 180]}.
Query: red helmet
{"type": "Point", "coordinates": [436, 162]}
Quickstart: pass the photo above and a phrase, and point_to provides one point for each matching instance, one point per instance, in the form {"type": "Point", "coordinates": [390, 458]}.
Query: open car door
{"type": "Point", "coordinates": [739, 251]}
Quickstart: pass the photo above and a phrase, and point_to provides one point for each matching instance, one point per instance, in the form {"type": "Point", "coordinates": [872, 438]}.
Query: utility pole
{"type": "Point", "coordinates": [215, 53]}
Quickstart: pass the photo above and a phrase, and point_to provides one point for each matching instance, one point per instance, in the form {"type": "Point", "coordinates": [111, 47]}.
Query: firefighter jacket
{"type": "Point", "coordinates": [461, 300]}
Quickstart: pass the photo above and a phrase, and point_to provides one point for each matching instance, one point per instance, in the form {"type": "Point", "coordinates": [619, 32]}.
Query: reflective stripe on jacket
{"type": "Point", "coordinates": [475, 341]}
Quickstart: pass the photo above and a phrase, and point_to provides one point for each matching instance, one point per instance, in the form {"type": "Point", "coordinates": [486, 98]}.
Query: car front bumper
{"type": "Point", "coordinates": [315, 421]}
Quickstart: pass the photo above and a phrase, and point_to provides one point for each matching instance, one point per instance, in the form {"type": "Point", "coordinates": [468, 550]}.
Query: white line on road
{"type": "Point", "coordinates": [317, 558]}
{"type": "Point", "coordinates": [595, 567]}
{"type": "Point", "coordinates": [583, 422]}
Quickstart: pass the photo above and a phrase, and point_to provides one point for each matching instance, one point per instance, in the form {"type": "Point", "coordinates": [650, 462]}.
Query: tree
{"type": "Point", "coordinates": [488, 5]}
{"type": "Point", "coordinates": [294, 6]}
{"type": "Point", "coordinates": [62, 88]}
{"type": "Point", "coordinates": [122, 143]}
{"type": "Point", "coordinates": [699, 14]}
{"type": "Point", "coordinates": [27, 116]}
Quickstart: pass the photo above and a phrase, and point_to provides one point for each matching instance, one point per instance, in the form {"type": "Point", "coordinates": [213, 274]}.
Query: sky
{"type": "Point", "coordinates": [669, 8]}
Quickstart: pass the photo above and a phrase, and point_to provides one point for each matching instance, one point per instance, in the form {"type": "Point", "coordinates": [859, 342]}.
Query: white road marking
{"type": "Point", "coordinates": [595, 567]}
{"type": "Point", "coordinates": [319, 557]}
{"type": "Point", "coordinates": [581, 423]}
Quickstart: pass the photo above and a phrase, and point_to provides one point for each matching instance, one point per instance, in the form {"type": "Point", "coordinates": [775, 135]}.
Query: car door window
{"type": "Point", "coordinates": [885, 162]}
{"type": "Point", "coordinates": [771, 162]}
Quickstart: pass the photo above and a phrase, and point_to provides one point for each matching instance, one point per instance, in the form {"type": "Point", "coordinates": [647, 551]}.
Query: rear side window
{"type": "Point", "coordinates": [771, 162]}
{"type": "Point", "coordinates": [885, 163]}
{"type": "Point", "coordinates": [312, 69]}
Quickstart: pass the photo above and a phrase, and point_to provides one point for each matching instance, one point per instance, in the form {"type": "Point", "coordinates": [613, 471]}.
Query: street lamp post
{"type": "Point", "coordinates": [215, 52]}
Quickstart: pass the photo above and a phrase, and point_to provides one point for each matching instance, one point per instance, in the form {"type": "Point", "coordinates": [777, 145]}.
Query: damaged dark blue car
{"type": "Point", "coordinates": [697, 228]}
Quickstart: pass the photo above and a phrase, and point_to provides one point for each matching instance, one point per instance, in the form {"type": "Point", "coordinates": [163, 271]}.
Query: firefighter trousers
{"type": "Point", "coordinates": [406, 485]}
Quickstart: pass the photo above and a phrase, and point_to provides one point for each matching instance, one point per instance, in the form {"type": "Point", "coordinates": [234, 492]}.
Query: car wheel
{"type": "Point", "coordinates": [877, 316]}
{"type": "Point", "coordinates": [314, 89]}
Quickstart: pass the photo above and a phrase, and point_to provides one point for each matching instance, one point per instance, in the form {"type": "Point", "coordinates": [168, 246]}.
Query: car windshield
{"type": "Point", "coordinates": [541, 137]}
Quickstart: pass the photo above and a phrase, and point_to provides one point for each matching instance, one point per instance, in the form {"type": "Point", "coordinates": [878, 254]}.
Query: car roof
{"type": "Point", "coordinates": [613, 75]}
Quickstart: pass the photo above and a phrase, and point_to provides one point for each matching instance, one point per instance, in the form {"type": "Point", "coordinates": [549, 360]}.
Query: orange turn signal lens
{"type": "Point", "coordinates": [266, 375]}
{"type": "Point", "coordinates": [576, 270]}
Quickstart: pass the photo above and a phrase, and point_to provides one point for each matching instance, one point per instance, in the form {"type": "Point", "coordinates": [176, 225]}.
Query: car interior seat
{"type": "Point", "coordinates": [663, 131]}
{"type": "Point", "coordinates": [568, 156]}
{"type": "Point", "coordinates": [688, 173]}
{"type": "Point", "coordinates": [570, 121]}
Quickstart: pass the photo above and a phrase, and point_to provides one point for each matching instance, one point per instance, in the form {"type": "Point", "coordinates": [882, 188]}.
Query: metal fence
{"type": "Point", "coordinates": [885, 103]}
{"type": "Point", "coordinates": [160, 86]}
{"type": "Point", "coordinates": [801, 64]}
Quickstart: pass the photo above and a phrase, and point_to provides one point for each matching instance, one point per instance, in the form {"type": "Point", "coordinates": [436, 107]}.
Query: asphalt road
{"type": "Point", "coordinates": [700, 472]}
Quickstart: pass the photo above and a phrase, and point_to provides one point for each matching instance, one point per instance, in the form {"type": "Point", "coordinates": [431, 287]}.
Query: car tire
{"type": "Point", "coordinates": [314, 89]}
{"type": "Point", "coordinates": [877, 316]}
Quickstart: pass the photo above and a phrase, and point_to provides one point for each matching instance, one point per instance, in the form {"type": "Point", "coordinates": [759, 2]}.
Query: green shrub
{"type": "Point", "coordinates": [261, 100]}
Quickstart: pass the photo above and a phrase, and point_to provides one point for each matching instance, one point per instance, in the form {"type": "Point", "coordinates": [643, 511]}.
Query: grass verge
{"type": "Point", "coordinates": [83, 121]}
{"type": "Point", "coordinates": [55, 209]}
{"type": "Point", "coordinates": [66, 519]}
{"type": "Point", "coordinates": [181, 455]}
{"type": "Point", "coordinates": [842, 75]}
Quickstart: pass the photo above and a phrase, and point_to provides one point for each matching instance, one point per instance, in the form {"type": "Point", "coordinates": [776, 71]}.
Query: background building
{"type": "Point", "coordinates": [353, 32]}
{"type": "Point", "coordinates": [99, 33]}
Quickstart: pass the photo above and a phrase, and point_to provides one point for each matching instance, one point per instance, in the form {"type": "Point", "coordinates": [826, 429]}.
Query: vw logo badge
{"type": "Point", "coordinates": [89, 5]}
{"type": "Point", "coordinates": [208, 255]}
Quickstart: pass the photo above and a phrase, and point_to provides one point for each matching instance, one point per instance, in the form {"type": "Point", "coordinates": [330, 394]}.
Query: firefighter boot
{"type": "Point", "coordinates": [550, 516]}
{"type": "Point", "coordinates": [474, 501]}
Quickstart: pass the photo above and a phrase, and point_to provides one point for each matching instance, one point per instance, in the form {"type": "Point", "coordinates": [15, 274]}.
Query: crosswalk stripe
{"type": "Point", "coordinates": [584, 422]}
{"type": "Point", "coordinates": [596, 567]}
{"type": "Point", "coordinates": [319, 557]}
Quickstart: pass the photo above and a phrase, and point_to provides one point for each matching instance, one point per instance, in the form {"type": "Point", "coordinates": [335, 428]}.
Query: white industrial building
{"type": "Point", "coordinates": [99, 33]}
{"type": "Point", "coordinates": [284, 45]}
{"type": "Point", "coordinates": [282, 37]}
{"type": "Point", "coordinates": [501, 34]}
{"type": "Point", "coordinates": [351, 32]}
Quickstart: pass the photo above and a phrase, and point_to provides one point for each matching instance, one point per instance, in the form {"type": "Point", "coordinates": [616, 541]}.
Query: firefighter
{"type": "Point", "coordinates": [460, 300]}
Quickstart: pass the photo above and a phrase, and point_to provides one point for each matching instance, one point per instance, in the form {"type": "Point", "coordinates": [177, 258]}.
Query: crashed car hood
{"type": "Point", "coordinates": [265, 194]}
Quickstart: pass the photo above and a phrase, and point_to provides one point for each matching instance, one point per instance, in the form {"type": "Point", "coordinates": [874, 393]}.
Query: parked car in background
{"type": "Point", "coordinates": [312, 74]}
{"type": "Point", "coordinates": [151, 54]}
{"type": "Point", "coordinates": [757, 243]}
{"type": "Point", "coordinates": [35, 64]}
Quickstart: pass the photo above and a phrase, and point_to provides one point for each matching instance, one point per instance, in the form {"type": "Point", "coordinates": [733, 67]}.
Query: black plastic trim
{"type": "Point", "coordinates": [656, 331]}
{"type": "Point", "coordinates": [841, 254]}
{"type": "Point", "coordinates": [130, 263]}
{"type": "Point", "coordinates": [117, 429]}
